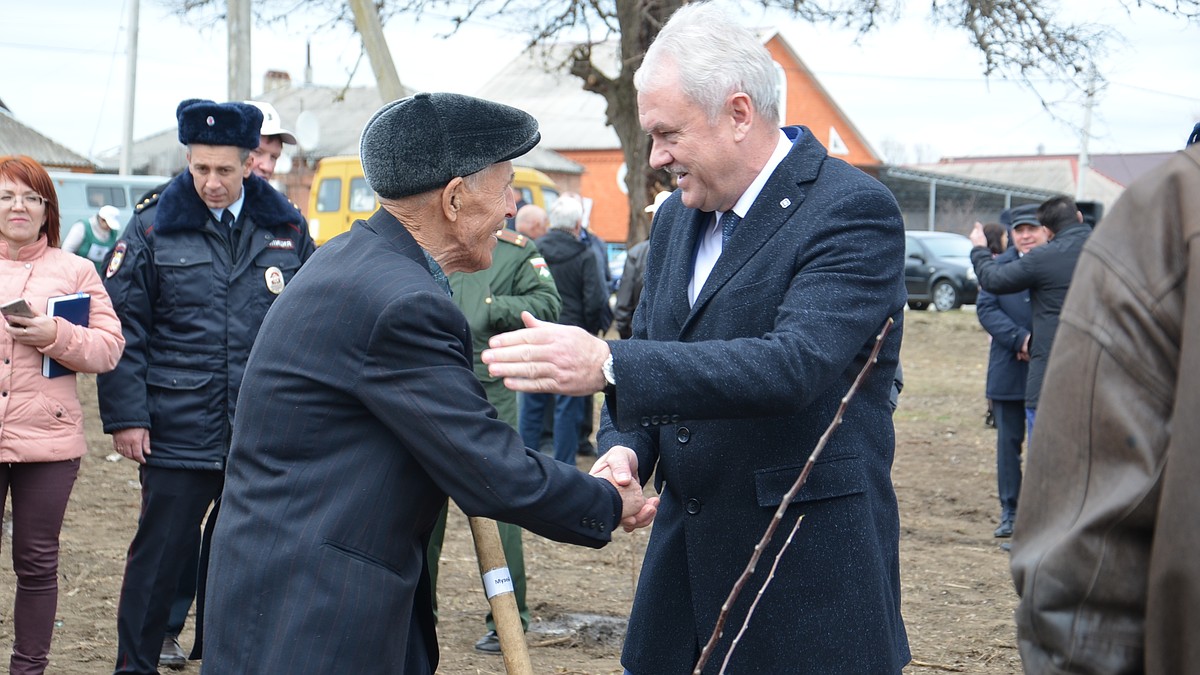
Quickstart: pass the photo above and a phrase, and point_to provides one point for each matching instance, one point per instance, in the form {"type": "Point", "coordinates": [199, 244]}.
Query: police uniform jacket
{"type": "Point", "coordinates": [191, 299]}
{"type": "Point", "coordinates": [493, 300]}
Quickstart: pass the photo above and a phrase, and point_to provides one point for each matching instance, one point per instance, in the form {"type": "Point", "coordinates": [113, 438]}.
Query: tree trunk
{"type": "Point", "coordinates": [639, 21]}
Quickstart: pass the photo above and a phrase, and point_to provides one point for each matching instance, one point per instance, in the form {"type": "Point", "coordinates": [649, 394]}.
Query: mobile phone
{"type": "Point", "coordinates": [16, 307]}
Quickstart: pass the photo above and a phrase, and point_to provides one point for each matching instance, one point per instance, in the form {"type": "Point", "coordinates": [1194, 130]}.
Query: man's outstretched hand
{"type": "Point", "coordinates": [547, 358]}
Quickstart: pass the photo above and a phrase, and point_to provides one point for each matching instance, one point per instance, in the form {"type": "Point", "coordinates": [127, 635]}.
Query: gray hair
{"type": "Point", "coordinates": [715, 56]}
{"type": "Point", "coordinates": [566, 214]}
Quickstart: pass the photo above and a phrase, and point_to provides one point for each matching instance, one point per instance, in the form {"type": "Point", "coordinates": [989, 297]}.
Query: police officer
{"type": "Point", "coordinates": [493, 299]}
{"type": "Point", "coordinates": [191, 279]}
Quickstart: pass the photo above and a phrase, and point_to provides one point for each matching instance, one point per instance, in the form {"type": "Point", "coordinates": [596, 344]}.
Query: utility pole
{"type": "Point", "coordinates": [130, 91]}
{"type": "Point", "coordinates": [238, 23]}
{"type": "Point", "coordinates": [366, 20]}
{"type": "Point", "coordinates": [1084, 161]}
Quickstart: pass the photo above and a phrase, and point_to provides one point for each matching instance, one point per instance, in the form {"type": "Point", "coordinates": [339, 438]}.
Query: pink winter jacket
{"type": "Point", "coordinates": [40, 418]}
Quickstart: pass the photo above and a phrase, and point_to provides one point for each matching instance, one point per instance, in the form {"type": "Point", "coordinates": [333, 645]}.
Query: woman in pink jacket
{"type": "Point", "coordinates": [41, 421]}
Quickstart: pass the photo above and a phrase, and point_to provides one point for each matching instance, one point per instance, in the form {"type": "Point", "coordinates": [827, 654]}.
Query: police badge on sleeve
{"type": "Point", "coordinates": [114, 263]}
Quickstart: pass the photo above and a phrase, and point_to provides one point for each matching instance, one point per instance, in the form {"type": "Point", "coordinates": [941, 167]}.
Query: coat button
{"type": "Point", "coordinates": [692, 506]}
{"type": "Point", "coordinates": [655, 419]}
{"type": "Point", "coordinates": [683, 434]}
{"type": "Point", "coordinates": [674, 419]}
{"type": "Point", "coordinates": [645, 421]}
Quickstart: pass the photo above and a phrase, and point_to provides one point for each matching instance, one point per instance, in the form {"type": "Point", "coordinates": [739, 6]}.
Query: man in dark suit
{"type": "Point", "coordinates": [1007, 318]}
{"type": "Point", "coordinates": [362, 413]}
{"type": "Point", "coordinates": [741, 351]}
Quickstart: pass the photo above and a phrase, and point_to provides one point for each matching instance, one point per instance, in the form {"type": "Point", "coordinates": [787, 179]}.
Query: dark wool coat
{"type": "Point", "coordinates": [725, 400]}
{"type": "Point", "coordinates": [360, 413]}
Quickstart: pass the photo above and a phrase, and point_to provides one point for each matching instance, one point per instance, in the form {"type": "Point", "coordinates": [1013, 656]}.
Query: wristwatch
{"type": "Point", "coordinates": [607, 369]}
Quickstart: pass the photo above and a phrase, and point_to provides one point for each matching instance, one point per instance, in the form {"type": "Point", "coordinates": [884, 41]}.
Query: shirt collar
{"type": "Point", "coordinates": [234, 208]}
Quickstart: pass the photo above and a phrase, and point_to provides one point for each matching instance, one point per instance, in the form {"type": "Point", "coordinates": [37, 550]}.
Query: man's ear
{"type": "Point", "coordinates": [247, 167]}
{"type": "Point", "coordinates": [452, 198]}
{"type": "Point", "coordinates": [741, 112]}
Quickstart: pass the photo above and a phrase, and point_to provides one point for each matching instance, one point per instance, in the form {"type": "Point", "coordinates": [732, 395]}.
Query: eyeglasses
{"type": "Point", "coordinates": [9, 200]}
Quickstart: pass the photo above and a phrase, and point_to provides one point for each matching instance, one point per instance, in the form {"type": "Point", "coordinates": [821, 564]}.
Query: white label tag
{"type": "Point", "coordinates": [497, 581]}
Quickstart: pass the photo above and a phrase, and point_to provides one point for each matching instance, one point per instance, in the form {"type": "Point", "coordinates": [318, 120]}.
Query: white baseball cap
{"type": "Point", "coordinates": [271, 125]}
{"type": "Point", "coordinates": [658, 201]}
{"type": "Point", "coordinates": [111, 216]}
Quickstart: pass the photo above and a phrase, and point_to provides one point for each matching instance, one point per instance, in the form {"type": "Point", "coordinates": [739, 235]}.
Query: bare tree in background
{"type": "Point", "coordinates": [1020, 39]}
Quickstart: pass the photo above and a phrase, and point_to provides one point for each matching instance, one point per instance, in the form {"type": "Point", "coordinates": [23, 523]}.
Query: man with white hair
{"type": "Point", "coordinates": [771, 271]}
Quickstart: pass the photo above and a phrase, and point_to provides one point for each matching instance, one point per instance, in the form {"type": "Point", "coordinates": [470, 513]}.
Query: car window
{"type": "Point", "coordinates": [329, 195]}
{"type": "Point", "coordinates": [949, 247]}
{"type": "Point", "coordinates": [99, 195]}
{"type": "Point", "coordinates": [911, 248]}
{"type": "Point", "coordinates": [362, 197]}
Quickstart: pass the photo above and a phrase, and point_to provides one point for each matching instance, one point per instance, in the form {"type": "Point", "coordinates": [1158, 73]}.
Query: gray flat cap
{"type": "Point", "coordinates": [420, 143]}
{"type": "Point", "coordinates": [1025, 214]}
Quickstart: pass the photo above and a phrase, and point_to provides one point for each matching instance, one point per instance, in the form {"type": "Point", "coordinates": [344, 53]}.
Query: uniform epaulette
{"type": "Point", "coordinates": [148, 201]}
{"type": "Point", "coordinates": [514, 238]}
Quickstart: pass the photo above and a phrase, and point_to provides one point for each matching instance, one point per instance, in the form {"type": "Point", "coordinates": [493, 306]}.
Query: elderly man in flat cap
{"type": "Point", "coordinates": [361, 413]}
{"type": "Point", "coordinates": [192, 277]}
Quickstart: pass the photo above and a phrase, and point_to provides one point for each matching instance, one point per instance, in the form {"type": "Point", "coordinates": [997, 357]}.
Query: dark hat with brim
{"type": "Point", "coordinates": [204, 122]}
{"type": "Point", "coordinates": [421, 143]}
{"type": "Point", "coordinates": [1026, 214]}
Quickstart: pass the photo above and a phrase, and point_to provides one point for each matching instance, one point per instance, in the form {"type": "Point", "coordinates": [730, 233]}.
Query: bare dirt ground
{"type": "Point", "coordinates": [957, 594]}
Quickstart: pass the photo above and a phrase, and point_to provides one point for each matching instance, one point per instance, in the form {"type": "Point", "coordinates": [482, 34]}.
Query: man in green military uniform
{"type": "Point", "coordinates": [493, 299]}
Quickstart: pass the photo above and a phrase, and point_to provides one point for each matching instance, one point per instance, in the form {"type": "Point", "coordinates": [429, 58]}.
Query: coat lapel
{"type": "Point", "coordinates": [780, 198]}
{"type": "Point", "coordinates": [679, 262]}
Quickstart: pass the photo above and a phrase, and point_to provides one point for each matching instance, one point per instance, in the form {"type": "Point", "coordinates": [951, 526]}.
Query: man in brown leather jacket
{"type": "Point", "coordinates": [1108, 536]}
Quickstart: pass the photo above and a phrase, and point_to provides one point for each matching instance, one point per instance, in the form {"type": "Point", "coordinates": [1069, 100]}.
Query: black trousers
{"type": "Point", "coordinates": [174, 503]}
{"type": "Point", "coordinates": [1010, 433]}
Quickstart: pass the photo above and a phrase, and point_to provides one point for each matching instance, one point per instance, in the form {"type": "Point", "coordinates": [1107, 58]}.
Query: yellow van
{"type": "Point", "coordinates": [340, 195]}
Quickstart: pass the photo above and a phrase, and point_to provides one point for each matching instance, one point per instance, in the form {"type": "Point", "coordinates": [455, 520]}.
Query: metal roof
{"type": "Point", "coordinates": [18, 139]}
{"type": "Point", "coordinates": [569, 117]}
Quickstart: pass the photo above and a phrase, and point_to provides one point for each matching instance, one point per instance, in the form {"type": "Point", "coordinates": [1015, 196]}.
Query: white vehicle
{"type": "Point", "coordinates": [82, 194]}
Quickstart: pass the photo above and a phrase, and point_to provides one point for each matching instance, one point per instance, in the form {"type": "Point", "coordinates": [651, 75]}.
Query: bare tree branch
{"type": "Point", "coordinates": [1019, 39]}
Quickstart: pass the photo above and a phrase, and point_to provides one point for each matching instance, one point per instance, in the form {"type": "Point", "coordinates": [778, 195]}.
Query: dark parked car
{"type": "Point", "coordinates": [937, 269]}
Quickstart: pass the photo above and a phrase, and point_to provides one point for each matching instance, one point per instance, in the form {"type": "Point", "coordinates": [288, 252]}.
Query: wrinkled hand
{"type": "Point", "coordinates": [978, 238]}
{"type": "Point", "coordinates": [40, 331]}
{"type": "Point", "coordinates": [619, 467]}
{"type": "Point", "coordinates": [547, 357]}
{"type": "Point", "coordinates": [132, 443]}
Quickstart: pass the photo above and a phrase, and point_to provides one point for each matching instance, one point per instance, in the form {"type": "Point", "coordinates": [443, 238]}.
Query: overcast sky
{"type": "Point", "coordinates": [908, 85]}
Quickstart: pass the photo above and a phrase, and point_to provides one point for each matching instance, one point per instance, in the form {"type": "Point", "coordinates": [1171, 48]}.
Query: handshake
{"type": "Point", "coordinates": [619, 467]}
